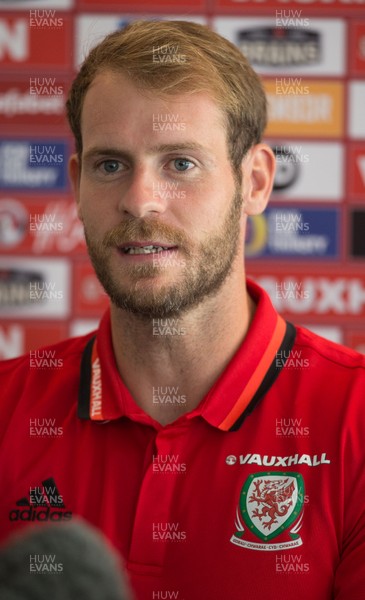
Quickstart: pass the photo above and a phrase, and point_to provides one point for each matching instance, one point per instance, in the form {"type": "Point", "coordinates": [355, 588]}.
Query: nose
{"type": "Point", "coordinates": [141, 196]}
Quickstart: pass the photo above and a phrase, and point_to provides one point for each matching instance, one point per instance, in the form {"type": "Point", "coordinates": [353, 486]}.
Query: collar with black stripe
{"type": "Point", "coordinates": [248, 376]}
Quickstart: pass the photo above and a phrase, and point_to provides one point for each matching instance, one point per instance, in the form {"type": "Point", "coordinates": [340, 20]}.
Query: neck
{"type": "Point", "coordinates": [169, 365]}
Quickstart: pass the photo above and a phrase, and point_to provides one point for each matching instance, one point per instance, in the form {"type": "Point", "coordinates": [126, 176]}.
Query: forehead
{"type": "Point", "coordinates": [113, 104]}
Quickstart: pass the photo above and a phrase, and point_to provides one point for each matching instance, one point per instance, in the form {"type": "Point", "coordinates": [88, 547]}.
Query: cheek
{"type": "Point", "coordinates": [216, 204]}
{"type": "Point", "coordinates": [94, 207]}
{"type": "Point", "coordinates": [212, 193]}
{"type": "Point", "coordinates": [94, 218]}
{"type": "Point", "coordinates": [192, 214]}
{"type": "Point", "coordinates": [199, 218]}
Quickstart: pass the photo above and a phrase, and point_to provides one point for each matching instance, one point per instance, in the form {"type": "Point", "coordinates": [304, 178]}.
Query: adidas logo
{"type": "Point", "coordinates": [45, 503]}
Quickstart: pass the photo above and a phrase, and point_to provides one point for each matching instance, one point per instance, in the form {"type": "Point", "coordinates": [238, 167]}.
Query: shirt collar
{"type": "Point", "coordinates": [248, 376]}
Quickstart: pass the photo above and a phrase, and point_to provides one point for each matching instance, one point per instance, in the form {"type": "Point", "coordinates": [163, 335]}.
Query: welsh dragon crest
{"type": "Point", "coordinates": [274, 498]}
{"type": "Point", "coordinates": [271, 505]}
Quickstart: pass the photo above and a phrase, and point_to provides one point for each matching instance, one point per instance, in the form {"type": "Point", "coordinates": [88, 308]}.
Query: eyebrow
{"type": "Point", "coordinates": [107, 151]}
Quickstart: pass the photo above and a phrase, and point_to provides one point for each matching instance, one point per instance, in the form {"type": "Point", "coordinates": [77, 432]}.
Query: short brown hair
{"type": "Point", "coordinates": [200, 61]}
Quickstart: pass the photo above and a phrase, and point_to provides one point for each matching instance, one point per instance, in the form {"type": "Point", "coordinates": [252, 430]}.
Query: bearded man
{"type": "Point", "coordinates": [180, 415]}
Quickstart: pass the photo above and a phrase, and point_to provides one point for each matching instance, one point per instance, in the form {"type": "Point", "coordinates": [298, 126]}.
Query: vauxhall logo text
{"type": "Point", "coordinates": [312, 460]}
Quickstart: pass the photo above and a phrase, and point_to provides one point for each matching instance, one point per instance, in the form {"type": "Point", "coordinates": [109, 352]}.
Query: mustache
{"type": "Point", "coordinates": [141, 230]}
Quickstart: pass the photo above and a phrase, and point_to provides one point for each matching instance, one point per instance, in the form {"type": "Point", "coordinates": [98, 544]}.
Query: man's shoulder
{"type": "Point", "coordinates": [326, 352]}
{"type": "Point", "coordinates": [51, 357]}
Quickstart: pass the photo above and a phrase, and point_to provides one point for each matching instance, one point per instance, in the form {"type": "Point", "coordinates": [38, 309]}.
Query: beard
{"type": "Point", "coordinates": [204, 266]}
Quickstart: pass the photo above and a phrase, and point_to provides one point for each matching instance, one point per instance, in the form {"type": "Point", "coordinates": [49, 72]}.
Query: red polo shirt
{"type": "Point", "coordinates": [257, 493]}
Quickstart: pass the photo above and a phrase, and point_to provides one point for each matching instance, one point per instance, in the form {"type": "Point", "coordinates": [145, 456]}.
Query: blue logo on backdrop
{"type": "Point", "coordinates": [33, 165]}
{"type": "Point", "coordinates": [293, 233]}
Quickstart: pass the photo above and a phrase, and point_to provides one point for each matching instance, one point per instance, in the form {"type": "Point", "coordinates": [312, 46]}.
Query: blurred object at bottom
{"type": "Point", "coordinates": [63, 561]}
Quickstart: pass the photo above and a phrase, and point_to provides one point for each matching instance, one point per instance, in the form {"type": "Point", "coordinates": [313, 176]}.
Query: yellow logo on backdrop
{"type": "Point", "coordinates": [305, 107]}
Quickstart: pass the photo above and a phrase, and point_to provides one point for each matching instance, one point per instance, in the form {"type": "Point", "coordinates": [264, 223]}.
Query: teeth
{"type": "Point", "coordinates": [143, 249]}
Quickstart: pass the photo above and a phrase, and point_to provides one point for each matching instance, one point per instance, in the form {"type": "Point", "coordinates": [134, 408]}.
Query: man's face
{"type": "Point", "coordinates": [160, 206]}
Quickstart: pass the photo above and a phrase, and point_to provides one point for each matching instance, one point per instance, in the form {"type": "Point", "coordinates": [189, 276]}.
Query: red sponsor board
{"type": "Point", "coordinates": [325, 296]}
{"type": "Point", "coordinates": [30, 226]}
{"type": "Point", "coordinates": [145, 5]}
{"type": "Point", "coordinates": [357, 48]}
{"type": "Point", "coordinates": [33, 101]}
{"type": "Point", "coordinates": [318, 6]}
{"type": "Point", "coordinates": [90, 300]}
{"type": "Point", "coordinates": [28, 43]}
{"type": "Point", "coordinates": [356, 170]}
{"type": "Point", "coordinates": [19, 338]}
{"type": "Point", "coordinates": [356, 340]}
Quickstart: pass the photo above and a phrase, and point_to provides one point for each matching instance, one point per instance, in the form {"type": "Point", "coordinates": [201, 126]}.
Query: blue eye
{"type": "Point", "coordinates": [110, 166]}
{"type": "Point", "coordinates": [182, 164]}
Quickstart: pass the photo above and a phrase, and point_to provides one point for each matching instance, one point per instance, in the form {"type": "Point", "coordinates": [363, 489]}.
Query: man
{"type": "Point", "coordinates": [217, 468]}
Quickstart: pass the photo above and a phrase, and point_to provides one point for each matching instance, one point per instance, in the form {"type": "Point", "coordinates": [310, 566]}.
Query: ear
{"type": "Point", "coordinates": [74, 172]}
{"type": "Point", "coordinates": [258, 171]}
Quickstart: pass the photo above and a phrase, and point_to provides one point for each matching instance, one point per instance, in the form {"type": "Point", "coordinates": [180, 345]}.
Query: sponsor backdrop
{"type": "Point", "coordinates": [307, 250]}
